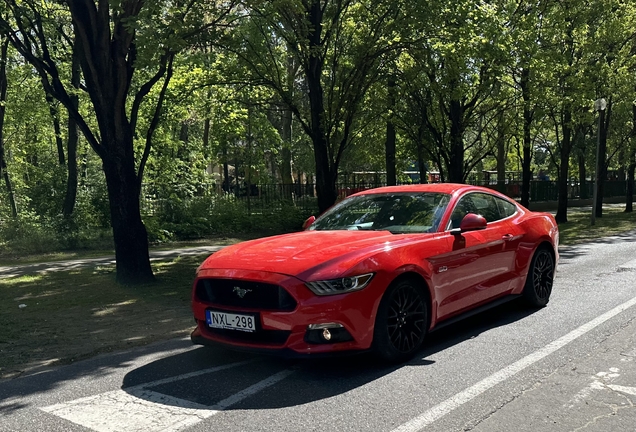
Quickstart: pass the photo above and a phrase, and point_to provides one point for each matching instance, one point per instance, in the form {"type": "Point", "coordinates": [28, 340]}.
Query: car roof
{"type": "Point", "coordinates": [448, 188]}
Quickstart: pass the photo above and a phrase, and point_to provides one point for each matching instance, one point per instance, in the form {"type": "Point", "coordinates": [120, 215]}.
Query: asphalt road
{"type": "Point", "coordinates": [568, 367]}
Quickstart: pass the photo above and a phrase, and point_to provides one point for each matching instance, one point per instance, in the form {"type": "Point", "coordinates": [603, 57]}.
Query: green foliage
{"type": "Point", "coordinates": [219, 215]}
{"type": "Point", "coordinates": [233, 86]}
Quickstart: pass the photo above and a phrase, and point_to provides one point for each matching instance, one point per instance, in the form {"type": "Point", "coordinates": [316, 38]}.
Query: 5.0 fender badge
{"type": "Point", "coordinates": [240, 291]}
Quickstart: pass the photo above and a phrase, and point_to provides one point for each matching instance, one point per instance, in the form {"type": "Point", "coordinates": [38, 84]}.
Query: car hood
{"type": "Point", "coordinates": [307, 254]}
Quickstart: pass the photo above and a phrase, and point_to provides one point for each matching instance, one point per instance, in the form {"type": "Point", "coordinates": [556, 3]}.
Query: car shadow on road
{"type": "Point", "coordinates": [310, 379]}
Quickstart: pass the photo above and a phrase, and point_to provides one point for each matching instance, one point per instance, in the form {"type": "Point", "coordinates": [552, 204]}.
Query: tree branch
{"type": "Point", "coordinates": [145, 89]}
{"type": "Point", "coordinates": [154, 123]}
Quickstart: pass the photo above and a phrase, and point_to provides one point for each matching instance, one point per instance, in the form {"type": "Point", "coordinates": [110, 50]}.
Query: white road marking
{"type": "Point", "coordinates": [244, 394]}
{"type": "Point", "coordinates": [440, 410]}
{"type": "Point", "coordinates": [137, 409]}
{"type": "Point", "coordinates": [623, 389]}
{"type": "Point", "coordinates": [629, 265]}
{"type": "Point", "coordinates": [188, 375]}
{"type": "Point", "coordinates": [599, 382]}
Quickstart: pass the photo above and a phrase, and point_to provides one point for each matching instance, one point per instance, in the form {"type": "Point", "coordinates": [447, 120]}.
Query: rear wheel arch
{"type": "Point", "coordinates": [540, 276]}
{"type": "Point", "coordinates": [545, 244]}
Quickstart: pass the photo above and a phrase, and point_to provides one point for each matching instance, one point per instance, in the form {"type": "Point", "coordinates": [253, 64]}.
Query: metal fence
{"type": "Point", "coordinates": [272, 198]}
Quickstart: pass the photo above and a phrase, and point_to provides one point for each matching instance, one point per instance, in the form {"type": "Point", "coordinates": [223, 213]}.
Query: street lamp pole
{"type": "Point", "coordinates": [599, 105]}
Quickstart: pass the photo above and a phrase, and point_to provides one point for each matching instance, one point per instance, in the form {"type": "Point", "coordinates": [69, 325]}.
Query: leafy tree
{"type": "Point", "coordinates": [4, 45]}
{"type": "Point", "coordinates": [339, 45]}
{"type": "Point", "coordinates": [116, 40]}
{"type": "Point", "coordinates": [460, 65]}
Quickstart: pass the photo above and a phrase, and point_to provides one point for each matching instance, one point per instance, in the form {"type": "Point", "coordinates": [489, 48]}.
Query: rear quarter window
{"type": "Point", "coordinates": [506, 208]}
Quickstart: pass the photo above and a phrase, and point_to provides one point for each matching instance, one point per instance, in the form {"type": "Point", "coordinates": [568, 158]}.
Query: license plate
{"type": "Point", "coordinates": [224, 320]}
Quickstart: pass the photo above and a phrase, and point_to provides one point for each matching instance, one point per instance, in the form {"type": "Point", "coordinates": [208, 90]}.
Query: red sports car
{"type": "Point", "coordinates": [377, 271]}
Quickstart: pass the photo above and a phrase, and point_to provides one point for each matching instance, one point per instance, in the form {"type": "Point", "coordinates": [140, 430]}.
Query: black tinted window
{"type": "Point", "coordinates": [506, 209]}
{"type": "Point", "coordinates": [479, 203]}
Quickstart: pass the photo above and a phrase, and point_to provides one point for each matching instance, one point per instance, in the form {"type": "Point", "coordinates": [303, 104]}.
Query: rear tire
{"type": "Point", "coordinates": [540, 278]}
{"type": "Point", "coordinates": [401, 322]}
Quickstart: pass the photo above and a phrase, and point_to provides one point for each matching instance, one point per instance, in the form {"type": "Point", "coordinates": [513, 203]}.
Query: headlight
{"type": "Point", "coordinates": [340, 286]}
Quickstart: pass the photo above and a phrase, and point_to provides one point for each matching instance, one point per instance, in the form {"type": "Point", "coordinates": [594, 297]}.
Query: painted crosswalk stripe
{"type": "Point", "coordinates": [137, 409]}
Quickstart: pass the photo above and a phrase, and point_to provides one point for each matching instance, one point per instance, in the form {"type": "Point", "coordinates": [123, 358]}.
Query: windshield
{"type": "Point", "coordinates": [395, 212]}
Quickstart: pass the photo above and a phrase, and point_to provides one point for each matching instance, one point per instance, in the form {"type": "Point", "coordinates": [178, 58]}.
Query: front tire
{"type": "Point", "coordinates": [540, 278]}
{"type": "Point", "coordinates": [401, 322]}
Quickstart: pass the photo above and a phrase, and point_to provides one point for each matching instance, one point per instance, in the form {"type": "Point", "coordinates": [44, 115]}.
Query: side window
{"type": "Point", "coordinates": [506, 209]}
{"type": "Point", "coordinates": [464, 206]}
{"type": "Point", "coordinates": [486, 206]}
{"type": "Point", "coordinates": [478, 203]}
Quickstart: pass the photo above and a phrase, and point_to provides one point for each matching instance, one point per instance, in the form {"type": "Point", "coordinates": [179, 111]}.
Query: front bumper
{"type": "Point", "coordinates": [286, 331]}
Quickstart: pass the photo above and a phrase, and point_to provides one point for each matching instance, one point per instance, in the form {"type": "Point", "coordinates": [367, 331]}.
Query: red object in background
{"type": "Point", "coordinates": [379, 270]}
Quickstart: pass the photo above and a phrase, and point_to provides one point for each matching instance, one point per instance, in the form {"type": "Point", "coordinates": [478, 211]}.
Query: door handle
{"type": "Point", "coordinates": [507, 237]}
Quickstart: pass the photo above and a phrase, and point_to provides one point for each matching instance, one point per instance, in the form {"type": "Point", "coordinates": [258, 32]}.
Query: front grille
{"type": "Point", "coordinates": [269, 337]}
{"type": "Point", "coordinates": [256, 295]}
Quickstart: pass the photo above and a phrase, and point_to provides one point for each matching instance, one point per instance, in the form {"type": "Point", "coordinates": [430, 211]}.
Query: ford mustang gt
{"type": "Point", "coordinates": [377, 271]}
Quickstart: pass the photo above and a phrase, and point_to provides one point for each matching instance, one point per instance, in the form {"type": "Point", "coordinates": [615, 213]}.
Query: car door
{"type": "Point", "coordinates": [477, 267]}
{"type": "Point", "coordinates": [513, 235]}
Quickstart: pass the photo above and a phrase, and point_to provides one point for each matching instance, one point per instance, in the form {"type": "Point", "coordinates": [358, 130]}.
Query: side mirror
{"type": "Point", "coordinates": [308, 222]}
{"type": "Point", "coordinates": [473, 222]}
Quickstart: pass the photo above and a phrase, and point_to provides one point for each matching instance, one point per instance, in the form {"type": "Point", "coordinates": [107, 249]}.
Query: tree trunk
{"type": "Point", "coordinates": [206, 134]}
{"type": "Point", "coordinates": [582, 176]}
{"type": "Point", "coordinates": [129, 232]}
{"type": "Point", "coordinates": [630, 186]}
{"type": "Point", "coordinates": [226, 169]}
{"type": "Point", "coordinates": [391, 177]}
{"type": "Point", "coordinates": [73, 138]}
{"type": "Point", "coordinates": [527, 140]}
{"type": "Point", "coordinates": [287, 135]}
{"type": "Point", "coordinates": [629, 200]}
{"type": "Point", "coordinates": [501, 154]}
{"type": "Point", "coordinates": [566, 148]}
{"type": "Point", "coordinates": [325, 178]}
{"type": "Point", "coordinates": [420, 155]}
{"type": "Point", "coordinates": [326, 171]}
{"type": "Point", "coordinates": [286, 156]}
{"type": "Point", "coordinates": [3, 98]}
{"type": "Point", "coordinates": [55, 116]}
{"type": "Point", "coordinates": [456, 163]}
{"type": "Point", "coordinates": [237, 184]}
{"type": "Point", "coordinates": [604, 120]}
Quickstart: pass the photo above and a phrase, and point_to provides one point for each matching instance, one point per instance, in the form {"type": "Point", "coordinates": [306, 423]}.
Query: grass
{"type": "Point", "coordinates": [578, 228]}
{"type": "Point", "coordinates": [76, 314]}
{"type": "Point", "coordinates": [71, 315]}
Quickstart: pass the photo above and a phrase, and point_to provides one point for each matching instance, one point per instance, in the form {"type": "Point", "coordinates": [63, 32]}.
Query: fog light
{"type": "Point", "coordinates": [327, 333]}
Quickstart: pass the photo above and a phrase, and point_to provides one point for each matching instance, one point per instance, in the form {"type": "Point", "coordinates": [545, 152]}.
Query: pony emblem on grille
{"type": "Point", "coordinates": [240, 291]}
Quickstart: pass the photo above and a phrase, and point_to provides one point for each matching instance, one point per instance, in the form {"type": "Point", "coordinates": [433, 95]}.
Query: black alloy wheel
{"type": "Point", "coordinates": [540, 278]}
{"type": "Point", "coordinates": [402, 321]}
